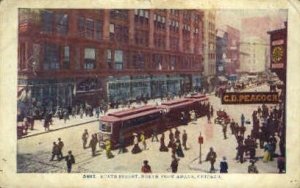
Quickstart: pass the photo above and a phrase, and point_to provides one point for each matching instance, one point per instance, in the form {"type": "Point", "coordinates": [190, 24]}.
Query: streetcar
{"type": "Point", "coordinates": [119, 127]}
{"type": "Point", "coordinates": [200, 105]}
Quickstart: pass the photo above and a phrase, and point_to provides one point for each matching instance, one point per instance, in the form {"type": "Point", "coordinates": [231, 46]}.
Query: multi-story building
{"type": "Point", "coordinates": [221, 51]}
{"type": "Point", "coordinates": [227, 50]}
{"type": "Point", "coordinates": [253, 55]}
{"type": "Point", "coordinates": [209, 45]}
{"type": "Point", "coordinates": [233, 52]}
{"type": "Point", "coordinates": [68, 56]}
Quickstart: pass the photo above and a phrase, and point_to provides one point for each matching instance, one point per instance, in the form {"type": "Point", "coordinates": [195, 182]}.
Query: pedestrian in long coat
{"type": "Point", "coordinates": [211, 111]}
{"type": "Point", "coordinates": [184, 140]}
{"type": "Point", "coordinates": [171, 139]}
{"type": "Point", "coordinates": [232, 126]}
{"type": "Point", "coordinates": [143, 140]}
{"type": "Point", "coordinates": [242, 130]}
{"type": "Point", "coordinates": [70, 160]}
{"type": "Point", "coordinates": [179, 151]}
{"type": "Point", "coordinates": [174, 164]}
{"type": "Point", "coordinates": [242, 119]}
{"type": "Point", "coordinates": [60, 146]}
{"type": "Point", "coordinates": [224, 130]}
{"type": "Point", "coordinates": [267, 153]}
{"type": "Point", "coordinates": [93, 144]}
{"type": "Point", "coordinates": [108, 149]}
{"type": "Point", "coordinates": [224, 166]}
{"type": "Point", "coordinates": [84, 138]}
{"type": "Point", "coordinates": [177, 133]}
{"type": "Point", "coordinates": [55, 151]}
{"type": "Point", "coordinates": [211, 157]}
{"type": "Point", "coordinates": [136, 148]}
{"type": "Point", "coordinates": [163, 147]}
{"type": "Point", "coordinates": [281, 164]}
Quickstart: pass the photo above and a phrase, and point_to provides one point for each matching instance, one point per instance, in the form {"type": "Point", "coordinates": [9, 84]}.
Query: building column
{"type": "Point", "coordinates": [192, 42]}
{"type": "Point", "coordinates": [151, 28]}
{"type": "Point", "coordinates": [106, 24]}
{"type": "Point", "coordinates": [180, 31]}
{"type": "Point", "coordinates": [168, 30]}
{"type": "Point", "coordinates": [131, 26]}
{"type": "Point", "coordinates": [73, 23]}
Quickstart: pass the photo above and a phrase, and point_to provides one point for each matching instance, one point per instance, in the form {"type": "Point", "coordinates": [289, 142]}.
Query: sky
{"type": "Point", "coordinates": [267, 20]}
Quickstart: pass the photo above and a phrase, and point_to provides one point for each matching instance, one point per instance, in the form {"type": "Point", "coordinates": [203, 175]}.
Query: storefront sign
{"type": "Point", "coordinates": [250, 98]}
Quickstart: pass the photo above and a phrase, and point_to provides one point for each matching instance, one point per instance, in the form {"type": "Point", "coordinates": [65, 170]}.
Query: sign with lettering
{"type": "Point", "coordinates": [250, 98]}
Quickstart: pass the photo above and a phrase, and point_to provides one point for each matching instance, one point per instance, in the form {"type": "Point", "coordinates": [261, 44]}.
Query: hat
{"type": "Point", "coordinates": [134, 134]}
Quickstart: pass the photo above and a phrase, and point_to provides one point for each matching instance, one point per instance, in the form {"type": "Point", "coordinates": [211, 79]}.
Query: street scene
{"type": "Point", "coordinates": [142, 91]}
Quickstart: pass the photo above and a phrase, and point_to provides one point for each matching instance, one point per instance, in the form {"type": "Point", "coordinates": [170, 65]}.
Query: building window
{"type": "Point", "coordinates": [119, 14]}
{"type": "Point", "coordinates": [172, 62]}
{"type": "Point", "coordinates": [157, 59]}
{"type": "Point", "coordinates": [89, 28]}
{"type": "Point", "coordinates": [141, 17]}
{"type": "Point", "coordinates": [66, 57]}
{"type": "Point", "coordinates": [159, 22]}
{"type": "Point", "coordinates": [62, 24]}
{"type": "Point", "coordinates": [109, 58]}
{"type": "Point", "coordinates": [174, 43]}
{"type": "Point", "coordinates": [118, 59]}
{"type": "Point", "coordinates": [51, 57]}
{"type": "Point", "coordinates": [138, 61]}
{"type": "Point", "coordinates": [141, 37]}
{"type": "Point", "coordinates": [89, 58]}
{"type": "Point", "coordinates": [81, 26]}
{"type": "Point", "coordinates": [159, 40]}
{"type": "Point", "coordinates": [118, 33]}
{"type": "Point", "coordinates": [47, 21]}
{"type": "Point", "coordinates": [98, 26]}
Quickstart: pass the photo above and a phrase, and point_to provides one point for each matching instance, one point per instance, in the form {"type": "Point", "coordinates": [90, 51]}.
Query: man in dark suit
{"type": "Point", "coordinates": [70, 161]}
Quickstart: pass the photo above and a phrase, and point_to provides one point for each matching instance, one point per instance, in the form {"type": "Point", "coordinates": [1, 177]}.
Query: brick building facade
{"type": "Point", "coordinates": [69, 56]}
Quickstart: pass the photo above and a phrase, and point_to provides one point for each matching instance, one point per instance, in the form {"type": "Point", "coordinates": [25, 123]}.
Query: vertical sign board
{"type": "Point", "coordinates": [278, 46]}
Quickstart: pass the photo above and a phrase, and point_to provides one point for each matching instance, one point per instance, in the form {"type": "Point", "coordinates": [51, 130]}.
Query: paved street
{"type": "Point", "coordinates": [34, 152]}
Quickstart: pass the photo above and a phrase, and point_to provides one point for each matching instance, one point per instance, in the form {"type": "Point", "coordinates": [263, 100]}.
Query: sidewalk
{"type": "Point", "coordinates": [59, 124]}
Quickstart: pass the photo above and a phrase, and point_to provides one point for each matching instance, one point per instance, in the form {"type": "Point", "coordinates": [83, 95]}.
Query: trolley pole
{"type": "Point", "coordinates": [200, 141]}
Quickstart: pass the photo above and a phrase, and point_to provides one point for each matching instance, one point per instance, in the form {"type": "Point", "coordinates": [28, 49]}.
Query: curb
{"type": "Point", "coordinates": [74, 125]}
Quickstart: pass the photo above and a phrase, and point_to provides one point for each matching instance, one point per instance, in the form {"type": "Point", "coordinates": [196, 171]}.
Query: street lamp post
{"type": "Point", "coordinates": [200, 141]}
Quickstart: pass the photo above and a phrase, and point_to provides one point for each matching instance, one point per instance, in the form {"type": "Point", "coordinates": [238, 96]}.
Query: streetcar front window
{"type": "Point", "coordinates": [105, 127]}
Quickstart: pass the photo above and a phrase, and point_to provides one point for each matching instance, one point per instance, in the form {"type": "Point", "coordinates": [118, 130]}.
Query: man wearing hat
{"type": "Point", "coordinates": [211, 157]}
{"type": "Point", "coordinates": [70, 160]}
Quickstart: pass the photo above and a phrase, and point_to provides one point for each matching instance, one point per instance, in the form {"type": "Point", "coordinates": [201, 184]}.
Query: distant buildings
{"type": "Point", "coordinates": [227, 50]}
{"type": "Point", "coordinates": [253, 52]}
{"type": "Point", "coordinates": [69, 56]}
{"type": "Point", "coordinates": [209, 43]}
{"type": "Point", "coordinates": [209, 48]}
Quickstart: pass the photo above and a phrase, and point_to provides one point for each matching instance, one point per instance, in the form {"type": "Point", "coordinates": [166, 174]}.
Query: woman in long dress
{"type": "Point", "coordinates": [179, 150]}
{"type": "Point", "coordinates": [267, 155]}
{"type": "Point", "coordinates": [171, 137]}
{"type": "Point", "coordinates": [163, 147]}
{"type": "Point", "coordinates": [136, 148]}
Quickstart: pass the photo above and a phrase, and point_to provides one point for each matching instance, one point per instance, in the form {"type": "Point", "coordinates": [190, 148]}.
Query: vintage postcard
{"type": "Point", "coordinates": [178, 94]}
